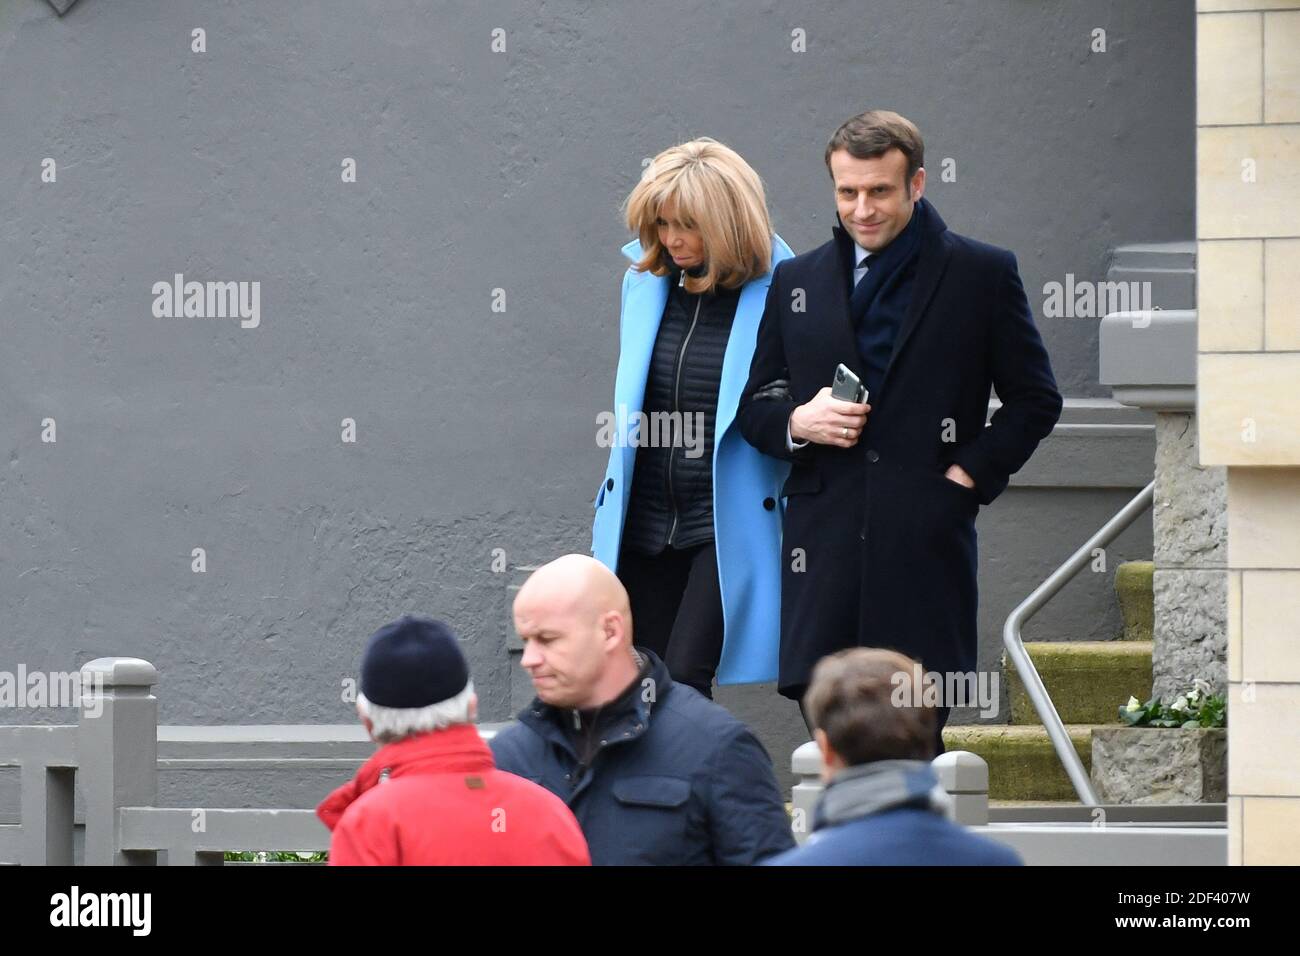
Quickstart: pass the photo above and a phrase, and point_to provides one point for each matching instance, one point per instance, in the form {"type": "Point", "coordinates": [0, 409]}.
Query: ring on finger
{"type": "Point", "coordinates": [846, 433]}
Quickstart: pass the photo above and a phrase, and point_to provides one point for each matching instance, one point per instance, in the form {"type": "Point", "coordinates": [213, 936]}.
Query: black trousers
{"type": "Point", "coordinates": [677, 610]}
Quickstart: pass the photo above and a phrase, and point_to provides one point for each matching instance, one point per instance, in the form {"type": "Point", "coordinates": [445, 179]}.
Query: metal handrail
{"type": "Point", "coordinates": [1032, 605]}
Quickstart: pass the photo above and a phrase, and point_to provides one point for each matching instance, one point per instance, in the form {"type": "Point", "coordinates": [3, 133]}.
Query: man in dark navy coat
{"type": "Point", "coordinates": [880, 506]}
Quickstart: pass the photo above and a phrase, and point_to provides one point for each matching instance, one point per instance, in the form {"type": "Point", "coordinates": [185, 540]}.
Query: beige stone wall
{"type": "Point", "coordinates": [1248, 393]}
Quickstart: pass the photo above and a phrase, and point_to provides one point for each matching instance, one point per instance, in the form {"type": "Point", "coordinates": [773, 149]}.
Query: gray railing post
{"type": "Point", "coordinates": [117, 751]}
{"type": "Point", "coordinates": [965, 778]}
{"type": "Point", "coordinates": [1019, 657]}
{"type": "Point", "coordinates": [46, 796]}
{"type": "Point", "coordinates": [806, 764]}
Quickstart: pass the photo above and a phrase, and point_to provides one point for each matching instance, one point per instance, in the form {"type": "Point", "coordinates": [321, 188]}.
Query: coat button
{"type": "Point", "coordinates": [609, 484]}
{"type": "Point", "coordinates": [873, 456]}
{"type": "Point", "coordinates": [769, 503]}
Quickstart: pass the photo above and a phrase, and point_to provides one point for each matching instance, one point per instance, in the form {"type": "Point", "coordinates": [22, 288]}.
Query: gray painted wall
{"type": "Point", "coordinates": [476, 170]}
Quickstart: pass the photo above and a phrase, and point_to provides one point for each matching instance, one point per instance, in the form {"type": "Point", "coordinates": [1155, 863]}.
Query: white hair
{"type": "Point", "coordinates": [390, 724]}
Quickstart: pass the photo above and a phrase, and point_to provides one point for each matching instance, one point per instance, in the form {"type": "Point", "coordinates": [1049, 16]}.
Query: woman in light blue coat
{"type": "Point", "coordinates": [689, 513]}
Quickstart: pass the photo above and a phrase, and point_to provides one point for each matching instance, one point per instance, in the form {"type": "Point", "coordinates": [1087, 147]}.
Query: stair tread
{"type": "Point", "coordinates": [1018, 730]}
{"type": "Point", "coordinates": [1022, 762]}
{"type": "Point", "coordinates": [1084, 648]}
{"type": "Point", "coordinates": [1087, 680]}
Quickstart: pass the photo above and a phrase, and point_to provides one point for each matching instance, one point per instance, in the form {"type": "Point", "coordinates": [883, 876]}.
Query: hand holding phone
{"type": "Point", "coordinates": [829, 419]}
{"type": "Point", "coordinates": [847, 387]}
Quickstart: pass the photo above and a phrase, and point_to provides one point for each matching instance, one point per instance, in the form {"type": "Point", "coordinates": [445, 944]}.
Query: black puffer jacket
{"type": "Point", "coordinates": [672, 484]}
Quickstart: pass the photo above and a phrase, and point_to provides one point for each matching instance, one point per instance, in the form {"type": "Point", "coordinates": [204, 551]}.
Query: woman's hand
{"type": "Point", "coordinates": [829, 421]}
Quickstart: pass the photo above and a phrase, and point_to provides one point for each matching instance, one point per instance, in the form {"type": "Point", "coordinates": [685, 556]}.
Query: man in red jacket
{"type": "Point", "coordinates": [431, 795]}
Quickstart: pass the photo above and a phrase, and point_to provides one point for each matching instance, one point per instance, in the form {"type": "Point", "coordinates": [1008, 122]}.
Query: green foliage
{"type": "Point", "coordinates": [276, 856]}
{"type": "Point", "coordinates": [1196, 707]}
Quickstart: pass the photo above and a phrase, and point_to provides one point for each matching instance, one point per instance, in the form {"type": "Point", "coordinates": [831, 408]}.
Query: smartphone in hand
{"type": "Point", "coordinates": [847, 387]}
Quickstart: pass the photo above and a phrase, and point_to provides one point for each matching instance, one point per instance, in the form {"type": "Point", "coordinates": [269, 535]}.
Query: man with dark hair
{"type": "Point", "coordinates": [882, 805]}
{"type": "Point", "coordinates": [880, 505]}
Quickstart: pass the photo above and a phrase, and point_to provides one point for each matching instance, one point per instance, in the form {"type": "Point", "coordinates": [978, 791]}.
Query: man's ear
{"type": "Point", "coordinates": [614, 629]}
{"type": "Point", "coordinates": [918, 184]}
{"type": "Point", "coordinates": [831, 761]}
{"type": "Point", "coordinates": [823, 744]}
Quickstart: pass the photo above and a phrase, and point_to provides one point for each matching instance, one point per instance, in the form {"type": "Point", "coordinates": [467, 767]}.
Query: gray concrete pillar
{"type": "Point", "coordinates": [48, 766]}
{"type": "Point", "coordinates": [806, 765]}
{"type": "Point", "coordinates": [964, 776]}
{"type": "Point", "coordinates": [1190, 525]}
{"type": "Point", "coordinates": [117, 751]}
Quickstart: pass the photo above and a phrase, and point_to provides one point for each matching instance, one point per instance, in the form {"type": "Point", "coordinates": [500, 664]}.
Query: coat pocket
{"type": "Point", "coordinates": [954, 506]}
{"type": "Point", "coordinates": [803, 480]}
{"type": "Point", "coordinates": [966, 494]}
{"type": "Point", "coordinates": [664, 793]}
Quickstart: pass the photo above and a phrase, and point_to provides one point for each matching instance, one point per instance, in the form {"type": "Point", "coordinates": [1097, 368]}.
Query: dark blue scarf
{"type": "Point", "coordinates": [880, 301]}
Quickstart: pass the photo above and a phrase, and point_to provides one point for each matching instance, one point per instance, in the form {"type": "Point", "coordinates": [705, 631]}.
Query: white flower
{"type": "Point", "coordinates": [1179, 705]}
{"type": "Point", "coordinates": [1202, 685]}
{"type": "Point", "coordinates": [1132, 705]}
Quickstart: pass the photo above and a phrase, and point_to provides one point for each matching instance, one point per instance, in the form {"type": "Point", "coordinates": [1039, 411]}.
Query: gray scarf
{"type": "Point", "coordinates": [868, 788]}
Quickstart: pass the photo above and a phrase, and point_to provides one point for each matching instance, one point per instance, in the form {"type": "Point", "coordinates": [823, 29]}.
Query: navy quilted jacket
{"type": "Point", "coordinates": [676, 779]}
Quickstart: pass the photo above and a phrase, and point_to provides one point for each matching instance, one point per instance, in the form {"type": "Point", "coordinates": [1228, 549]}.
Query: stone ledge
{"type": "Point", "coordinates": [1149, 349]}
{"type": "Point", "coordinates": [1160, 764]}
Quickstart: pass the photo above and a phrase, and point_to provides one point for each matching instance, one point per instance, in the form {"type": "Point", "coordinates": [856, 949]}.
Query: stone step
{"type": "Point", "coordinates": [1087, 680]}
{"type": "Point", "coordinates": [1136, 595]}
{"type": "Point", "coordinates": [1169, 267]}
{"type": "Point", "coordinates": [1022, 763]}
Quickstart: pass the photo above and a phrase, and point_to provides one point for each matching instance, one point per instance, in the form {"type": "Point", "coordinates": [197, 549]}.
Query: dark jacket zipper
{"type": "Point", "coordinates": [677, 397]}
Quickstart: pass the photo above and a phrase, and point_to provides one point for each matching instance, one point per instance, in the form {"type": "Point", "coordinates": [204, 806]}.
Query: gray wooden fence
{"type": "Point", "coordinates": [111, 756]}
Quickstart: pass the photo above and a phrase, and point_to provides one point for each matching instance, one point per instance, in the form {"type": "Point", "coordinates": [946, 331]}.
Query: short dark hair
{"type": "Point", "coordinates": [875, 133]}
{"type": "Point", "coordinates": [870, 704]}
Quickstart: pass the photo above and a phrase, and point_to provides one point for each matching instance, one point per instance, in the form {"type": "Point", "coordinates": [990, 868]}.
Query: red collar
{"type": "Point", "coordinates": [457, 749]}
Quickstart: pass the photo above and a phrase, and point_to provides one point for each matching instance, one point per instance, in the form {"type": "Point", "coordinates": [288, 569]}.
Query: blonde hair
{"type": "Point", "coordinates": [716, 192]}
